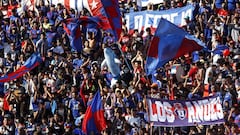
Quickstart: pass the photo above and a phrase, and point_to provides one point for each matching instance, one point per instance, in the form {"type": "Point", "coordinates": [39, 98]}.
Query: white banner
{"type": "Point", "coordinates": [177, 113]}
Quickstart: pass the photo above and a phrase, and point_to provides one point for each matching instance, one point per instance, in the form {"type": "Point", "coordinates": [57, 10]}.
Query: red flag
{"type": "Point", "coordinates": [5, 103]}
{"type": "Point", "coordinates": [82, 94]}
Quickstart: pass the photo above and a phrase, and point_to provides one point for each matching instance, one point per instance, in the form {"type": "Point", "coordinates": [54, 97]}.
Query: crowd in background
{"type": "Point", "coordinates": [50, 98]}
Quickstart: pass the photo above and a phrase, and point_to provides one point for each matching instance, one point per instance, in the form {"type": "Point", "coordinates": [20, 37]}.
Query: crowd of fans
{"type": "Point", "coordinates": [50, 98]}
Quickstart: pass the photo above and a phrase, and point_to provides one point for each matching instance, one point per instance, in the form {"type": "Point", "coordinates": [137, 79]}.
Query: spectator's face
{"type": "Point", "coordinates": [55, 57]}
{"type": "Point", "coordinates": [55, 117]}
{"type": "Point", "coordinates": [42, 36]}
{"type": "Point", "coordinates": [6, 121]}
{"type": "Point", "coordinates": [140, 105]}
{"type": "Point", "coordinates": [41, 2]}
{"type": "Point", "coordinates": [44, 121]}
{"type": "Point", "coordinates": [133, 112]}
{"type": "Point", "coordinates": [226, 104]}
{"type": "Point", "coordinates": [153, 90]}
{"type": "Point", "coordinates": [90, 95]}
{"type": "Point", "coordinates": [216, 21]}
{"type": "Point", "coordinates": [45, 20]}
{"type": "Point", "coordinates": [135, 33]}
{"type": "Point", "coordinates": [13, 30]}
{"type": "Point", "coordinates": [12, 46]}
{"type": "Point", "coordinates": [128, 111]}
{"type": "Point", "coordinates": [35, 25]}
{"type": "Point", "coordinates": [52, 8]}
{"type": "Point", "coordinates": [136, 64]}
{"type": "Point", "coordinates": [140, 86]}
{"type": "Point", "coordinates": [73, 89]}
{"type": "Point", "coordinates": [203, 4]}
{"type": "Point", "coordinates": [64, 11]}
{"type": "Point", "coordinates": [234, 129]}
{"type": "Point", "coordinates": [213, 88]}
{"type": "Point", "coordinates": [49, 54]}
{"type": "Point", "coordinates": [73, 95]}
{"type": "Point", "coordinates": [38, 128]}
{"type": "Point", "coordinates": [117, 114]}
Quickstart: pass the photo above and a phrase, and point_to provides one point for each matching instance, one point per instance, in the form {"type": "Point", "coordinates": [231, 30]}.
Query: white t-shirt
{"type": "Point", "coordinates": [208, 71]}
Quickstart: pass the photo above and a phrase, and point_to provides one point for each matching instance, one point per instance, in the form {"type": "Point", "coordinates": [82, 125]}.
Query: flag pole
{"type": "Point", "coordinates": [118, 44]}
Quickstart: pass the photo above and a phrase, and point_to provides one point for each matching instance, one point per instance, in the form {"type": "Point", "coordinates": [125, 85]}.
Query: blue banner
{"type": "Point", "coordinates": [144, 19]}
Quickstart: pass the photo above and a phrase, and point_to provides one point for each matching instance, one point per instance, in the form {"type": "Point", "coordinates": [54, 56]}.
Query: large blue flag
{"type": "Point", "coordinates": [94, 121]}
{"type": "Point", "coordinates": [33, 61]}
{"type": "Point", "coordinates": [169, 42]}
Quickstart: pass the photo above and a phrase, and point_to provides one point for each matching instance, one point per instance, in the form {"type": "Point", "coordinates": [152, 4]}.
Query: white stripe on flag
{"type": "Point", "coordinates": [86, 5]}
{"type": "Point", "coordinates": [72, 4]}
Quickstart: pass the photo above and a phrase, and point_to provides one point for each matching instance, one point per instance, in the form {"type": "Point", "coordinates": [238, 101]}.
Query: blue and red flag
{"type": "Point", "coordinates": [169, 42]}
{"type": "Point", "coordinates": [94, 121]}
{"type": "Point", "coordinates": [109, 13]}
{"type": "Point", "coordinates": [91, 24]}
{"type": "Point", "coordinates": [72, 28]}
{"type": "Point", "coordinates": [33, 61]}
{"type": "Point", "coordinates": [219, 49]}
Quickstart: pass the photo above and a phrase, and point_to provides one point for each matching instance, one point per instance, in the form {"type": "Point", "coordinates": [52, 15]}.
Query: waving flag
{"type": "Point", "coordinates": [72, 28]}
{"type": "Point", "coordinates": [94, 121]}
{"type": "Point", "coordinates": [91, 24]}
{"type": "Point", "coordinates": [107, 10]}
{"type": "Point", "coordinates": [30, 64]}
{"type": "Point", "coordinates": [169, 42]}
{"type": "Point", "coordinates": [109, 13]}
